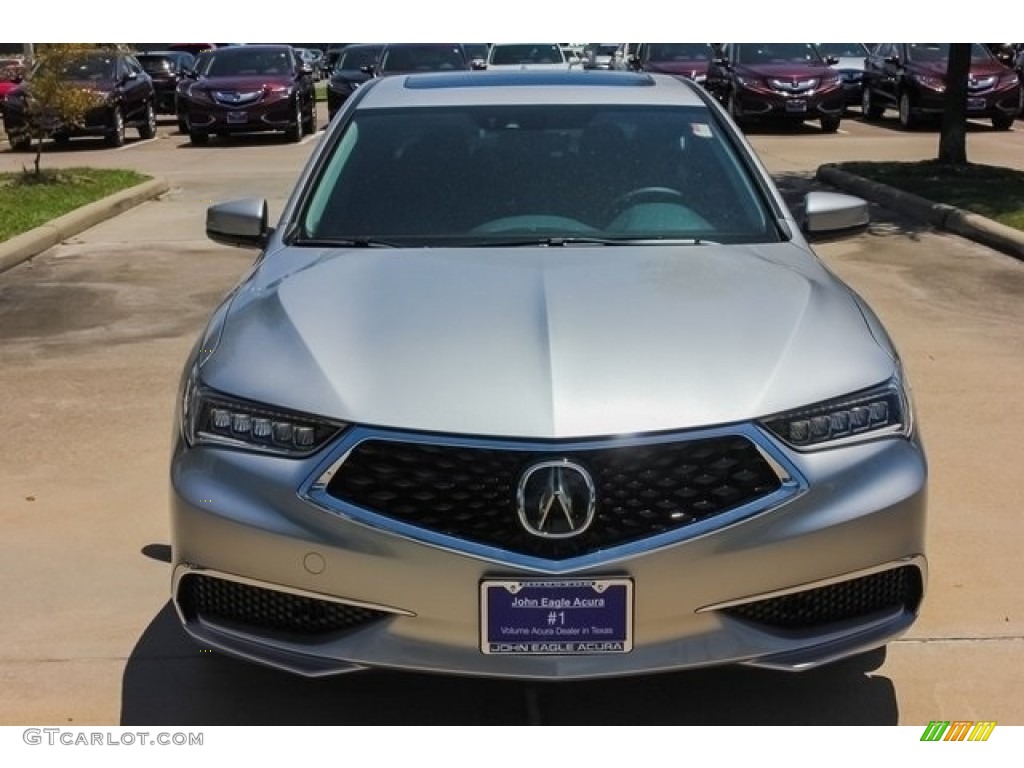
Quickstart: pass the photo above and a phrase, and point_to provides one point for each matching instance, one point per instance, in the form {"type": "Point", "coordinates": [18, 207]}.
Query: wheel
{"type": "Point", "coordinates": [182, 125]}
{"type": "Point", "coordinates": [642, 195]}
{"type": "Point", "coordinates": [869, 109]}
{"type": "Point", "coordinates": [830, 123]}
{"type": "Point", "coordinates": [21, 142]}
{"type": "Point", "coordinates": [198, 138]}
{"type": "Point", "coordinates": [907, 118]}
{"type": "Point", "coordinates": [1002, 122]}
{"type": "Point", "coordinates": [148, 129]}
{"type": "Point", "coordinates": [294, 132]}
{"type": "Point", "coordinates": [115, 135]}
{"type": "Point", "coordinates": [310, 124]}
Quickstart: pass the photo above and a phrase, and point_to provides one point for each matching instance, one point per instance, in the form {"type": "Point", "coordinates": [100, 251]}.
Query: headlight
{"type": "Point", "coordinates": [749, 82]}
{"type": "Point", "coordinates": [197, 93]}
{"type": "Point", "coordinates": [827, 81]}
{"type": "Point", "coordinates": [281, 90]}
{"type": "Point", "coordinates": [213, 418]}
{"type": "Point", "coordinates": [932, 83]}
{"type": "Point", "coordinates": [882, 411]}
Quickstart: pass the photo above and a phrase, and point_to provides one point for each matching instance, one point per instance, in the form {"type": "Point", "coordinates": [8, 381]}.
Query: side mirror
{"type": "Point", "coordinates": [369, 69]}
{"type": "Point", "coordinates": [720, 61]}
{"type": "Point", "coordinates": [479, 64]}
{"type": "Point", "coordinates": [244, 223]}
{"type": "Point", "coordinates": [830, 60]}
{"type": "Point", "coordinates": [833, 214]}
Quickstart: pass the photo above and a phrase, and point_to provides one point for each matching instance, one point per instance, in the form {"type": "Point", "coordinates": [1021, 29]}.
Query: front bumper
{"type": "Point", "coordinates": [266, 115]}
{"type": "Point", "coordinates": [768, 104]}
{"type": "Point", "coordinates": [248, 532]}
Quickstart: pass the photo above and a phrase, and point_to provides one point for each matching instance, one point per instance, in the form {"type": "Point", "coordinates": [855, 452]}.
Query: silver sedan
{"type": "Point", "coordinates": [538, 377]}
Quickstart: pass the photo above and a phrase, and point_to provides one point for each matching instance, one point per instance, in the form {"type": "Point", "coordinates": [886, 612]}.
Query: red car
{"type": "Point", "coordinates": [248, 89]}
{"type": "Point", "coordinates": [777, 81]}
{"type": "Point", "coordinates": [681, 59]}
{"type": "Point", "coordinates": [11, 73]}
{"type": "Point", "coordinates": [911, 78]}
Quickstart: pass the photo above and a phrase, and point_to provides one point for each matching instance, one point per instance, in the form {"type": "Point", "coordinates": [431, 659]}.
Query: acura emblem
{"type": "Point", "coordinates": [556, 499]}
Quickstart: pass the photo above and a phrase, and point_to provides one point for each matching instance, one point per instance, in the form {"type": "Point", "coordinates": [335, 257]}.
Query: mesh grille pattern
{"type": "Point", "coordinates": [470, 493]}
{"type": "Point", "coordinates": [213, 598]}
{"type": "Point", "coordinates": [898, 588]}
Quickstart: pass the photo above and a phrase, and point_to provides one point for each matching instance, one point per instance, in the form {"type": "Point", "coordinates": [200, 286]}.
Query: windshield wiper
{"type": "Point", "coordinates": [347, 242]}
{"type": "Point", "coordinates": [560, 242]}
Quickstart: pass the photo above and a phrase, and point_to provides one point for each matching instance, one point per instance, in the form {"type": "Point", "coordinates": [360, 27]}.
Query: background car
{"type": "Point", "coordinates": [404, 58]}
{"type": "Point", "coordinates": [460, 419]}
{"type": "Point", "coordinates": [684, 59]}
{"type": "Point", "coordinates": [250, 89]}
{"type": "Point", "coordinates": [186, 79]}
{"type": "Point", "coordinates": [165, 69]}
{"type": "Point", "coordinates": [782, 82]}
{"type": "Point", "coordinates": [352, 68]}
{"type": "Point", "coordinates": [911, 78]}
{"type": "Point", "coordinates": [848, 60]}
{"type": "Point", "coordinates": [123, 90]}
{"type": "Point", "coordinates": [477, 54]}
{"type": "Point", "coordinates": [527, 56]}
{"type": "Point", "coordinates": [604, 56]}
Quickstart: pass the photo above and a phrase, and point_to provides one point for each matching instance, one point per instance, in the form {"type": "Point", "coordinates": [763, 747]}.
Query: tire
{"type": "Point", "coordinates": [115, 135]}
{"type": "Point", "coordinates": [148, 129]}
{"type": "Point", "coordinates": [1002, 122]}
{"type": "Point", "coordinates": [182, 125]}
{"type": "Point", "coordinates": [310, 125]}
{"type": "Point", "coordinates": [869, 109]}
{"type": "Point", "coordinates": [907, 119]}
{"type": "Point", "coordinates": [830, 123]}
{"type": "Point", "coordinates": [20, 143]}
{"type": "Point", "coordinates": [198, 138]}
{"type": "Point", "coordinates": [294, 133]}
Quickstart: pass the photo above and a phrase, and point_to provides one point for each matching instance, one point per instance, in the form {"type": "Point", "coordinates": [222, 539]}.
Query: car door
{"type": "Point", "coordinates": [136, 88]}
{"type": "Point", "coordinates": [893, 62]}
{"type": "Point", "coordinates": [720, 72]}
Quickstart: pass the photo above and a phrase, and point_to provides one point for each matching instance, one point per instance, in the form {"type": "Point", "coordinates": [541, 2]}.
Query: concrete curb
{"type": "Point", "coordinates": [28, 244]}
{"type": "Point", "coordinates": [964, 223]}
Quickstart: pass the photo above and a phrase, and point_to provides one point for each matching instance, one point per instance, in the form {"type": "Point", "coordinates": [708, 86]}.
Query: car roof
{"type": "Point", "coordinates": [529, 87]}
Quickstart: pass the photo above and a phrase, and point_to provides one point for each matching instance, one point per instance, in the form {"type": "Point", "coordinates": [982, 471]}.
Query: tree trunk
{"type": "Point", "coordinates": [953, 139]}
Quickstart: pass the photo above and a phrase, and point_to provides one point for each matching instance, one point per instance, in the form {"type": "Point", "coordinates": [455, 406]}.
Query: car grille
{"type": "Point", "coordinates": [853, 599]}
{"type": "Point", "coordinates": [471, 493]}
{"type": "Point", "coordinates": [267, 609]}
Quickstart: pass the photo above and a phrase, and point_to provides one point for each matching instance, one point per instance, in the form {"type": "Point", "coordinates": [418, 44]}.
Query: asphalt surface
{"type": "Point", "coordinates": [93, 333]}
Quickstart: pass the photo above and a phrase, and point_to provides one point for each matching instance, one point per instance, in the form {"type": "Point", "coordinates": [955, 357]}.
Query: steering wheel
{"type": "Point", "coordinates": [642, 195]}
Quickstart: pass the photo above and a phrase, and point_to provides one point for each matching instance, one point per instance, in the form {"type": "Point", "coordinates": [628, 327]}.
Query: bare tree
{"type": "Point", "coordinates": [953, 136]}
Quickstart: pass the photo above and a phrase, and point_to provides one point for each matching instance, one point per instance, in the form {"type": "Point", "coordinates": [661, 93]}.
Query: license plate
{"type": "Point", "coordinates": [796, 105]}
{"type": "Point", "coordinates": [577, 617]}
{"type": "Point", "coordinates": [238, 117]}
{"type": "Point", "coordinates": [975, 105]}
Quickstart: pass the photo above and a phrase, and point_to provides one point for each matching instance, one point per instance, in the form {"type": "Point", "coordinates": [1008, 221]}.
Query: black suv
{"type": "Point", "coordinates": [166, 69]}
{"type": "Point", "coordinates": [124, 93]}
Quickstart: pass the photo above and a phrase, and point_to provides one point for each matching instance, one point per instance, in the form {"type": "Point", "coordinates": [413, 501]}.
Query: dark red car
{"type": "Point", "coordinates": [681, 59]}
{"type": "Point", "coordinates": [248, 89]}
{"type": "Point", "coordinates": [777, 81]}
{"type": "Point", "coordinates": [124, 99]}
{"type": "Point", "coordinates": [911, 78]}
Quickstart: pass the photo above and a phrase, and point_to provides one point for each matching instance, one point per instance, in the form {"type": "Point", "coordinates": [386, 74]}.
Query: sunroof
{"type": "Point", "coordinates": [527, 77]}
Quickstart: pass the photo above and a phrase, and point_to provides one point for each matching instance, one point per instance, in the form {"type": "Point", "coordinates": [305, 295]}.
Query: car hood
{"type": "Point", "coordinates": [782, 71]}
{"type": "Point", "coordinates": [938, 69]}
{"type": "Point", "coordinates": [545, 343]}
{"type": "Point", "coordinates": [245, 83]}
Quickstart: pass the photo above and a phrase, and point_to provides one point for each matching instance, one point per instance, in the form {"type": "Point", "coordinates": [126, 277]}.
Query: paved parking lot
{"type": "Point", "coordinates": [93, 334]}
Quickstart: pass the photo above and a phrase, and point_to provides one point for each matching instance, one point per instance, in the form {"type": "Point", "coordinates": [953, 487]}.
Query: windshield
{"type": "Point", "coordinates": [244, 61]}
{"type": "Point", "coordinates": [677, 51]}
{"type": "Point", "coordinates": [777, 53]}
{"type": "Point", "coordinates": [843, 50]}
{"type": "Point", "coordinates": [478, 175]}
{"type": "Point", "coordinates": [939, 52]}
{"type": "Point", "coordinates": [92, 68]}
{"type": "Point", "coordinates": [357, 58]}
{"type": "Point", "coordinates": [422, 58]}
{"type": "Point", "coordinates": [531, 53]}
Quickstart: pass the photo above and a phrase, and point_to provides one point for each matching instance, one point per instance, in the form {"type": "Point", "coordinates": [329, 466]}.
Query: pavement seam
{"type": "Point", "coordinates": [970, 225]}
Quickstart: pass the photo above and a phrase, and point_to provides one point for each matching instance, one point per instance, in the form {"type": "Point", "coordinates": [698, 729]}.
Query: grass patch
{"type": "Point", "coordinates": [27, 202]}
{"type": "Point", "coordinates": [988, 190]}
{"type": "Point", "coordinates": [320, 89]}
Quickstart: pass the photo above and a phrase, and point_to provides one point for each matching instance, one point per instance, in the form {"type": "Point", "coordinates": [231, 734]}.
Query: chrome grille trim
{"type": "Point", "coordinates": [315, 490]}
